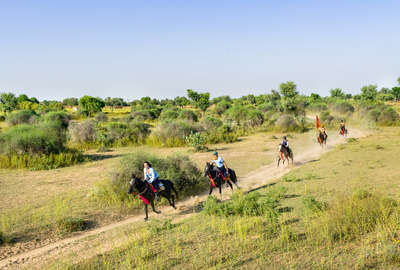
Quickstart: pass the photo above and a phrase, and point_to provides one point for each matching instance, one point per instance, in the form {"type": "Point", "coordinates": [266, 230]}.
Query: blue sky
{"type": "Point", "coordinates": [58, 49]}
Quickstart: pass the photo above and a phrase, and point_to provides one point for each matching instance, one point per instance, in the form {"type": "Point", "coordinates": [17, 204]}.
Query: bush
{"type": "Point", "coordinates": [141, 115]}
{"type": "Point", "coordinates": [120, 134]}
{"type": "Point", "coordinates": [222, 134]}
{"type": "Point", "coordinates": [171, 133]}
{"type": "Point", "coordinates": [69, 225]}
{"type": "Point", "coordinates": [197, 141]}
{"type": "Point", "coordinates": [30, 139]}
{"type": "Point", "coordinates": [83, 132]}
{"type": "Point", "coordinates": [318, 107]}
{"type": "Point", "coordinates": [189, 115]}
{"type": "Point", "coordinates": [2, 238]}
{"type": "Point", "coordinates": [209, 123]}
{"type": "Point", "coordinates": [59, 117]}
{"type": "Point", "coordinates": [388, 116]}
{"type": "Point", "coordinates": [343, 107]}
{"type": "Point", "coordinates": [41, 161]}
{"type": "Point", "coordinates": [2, 118]}
{"type": "Point", "coordinates": [169, 115]}
{"type": "Point", "coordinates": [254, 118]}
{"type": "Point", "coordinates": [326, 118]}
{"type": "Point", "coordinates": [252, 204]}
{"type": "Point", "coordinates": [21, 117]}
{"type": "Point", "coordinates": [101, 117]}
{"type": "Point", "coordinates": [286, 123]}
{"type": "Point", "coordinates": [180, 170]}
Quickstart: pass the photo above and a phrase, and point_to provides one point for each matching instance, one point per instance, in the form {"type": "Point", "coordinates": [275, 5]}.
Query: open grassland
{"type": "Point", "coordinates": [338, 212]}
{"type": "Point", "coordinates": [32, 203]}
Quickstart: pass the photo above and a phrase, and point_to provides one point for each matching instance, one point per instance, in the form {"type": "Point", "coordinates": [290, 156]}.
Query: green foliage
{"type": "Point", "coordinates": [224, 133]}
{"type": "Point", "coordinates": [369, 92]}
{"type": "Point", "coordinates": [179, 169]}
{"type": "Point", "coordinates": [311, 206]}
{"type": "Point", "coordinates": [343, 107]}
{"type": "Point", "coordinates": [251, 204]}
{"type": "Point", "coordinates": [189, 115]}
{"type": "Point", "coordinates": [41, 161]}
{"type": "Point", "coordinates": [101, 117]}
{"type": "Point", "coordinates": [70, 102]}
{"type": "Point", "coordinates": [31, 139]}
{"type": "Point", "coordinates": [286, 123]}
{"type": "Point", "coordinates": [318, 107]}
{"type": "Point", "coordinates": [351, 217]}
{"type": "Point", "coordinates": [59, 117]}
{"type": "Point", "coordinates": [396, 92]}
{"type": "Point", "coordinates": [83, 132]}
{"type": "Point", "coordinates": [143, 115]}
{"type": "Point", "coordinates": [68, 225]}
{"type": "Point", "coordinates": [200, 100]}
{"type": "Point", "coordinates": [21, 117]}
{"type": "Point", "coordinates": [89, 105]}
{"type": "Point", "coordinates": [197, 141]}
{"type": "Point", "coordinates": [8, 102]}
{"type": "Point", "coordinates": [326, 118]}
{"type": "Point", "coordinates": [169, 115]}
{"type": "Point", "coordinates": [171, 133]}
{"type": "Point", "coordinates": [288, 89]}
{"type": "Point", "coordinates": [337, 93]}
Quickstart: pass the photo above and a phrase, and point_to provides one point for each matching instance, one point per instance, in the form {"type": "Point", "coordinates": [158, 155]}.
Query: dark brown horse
{"type": "Point", "coordinates": [217, 180]}
{"type": "Point", "coordinates": [284, 155]}
{"type": "Point", "coordinates": [322, 138]}
{"type": "Point", "coordinates": [146, 193]}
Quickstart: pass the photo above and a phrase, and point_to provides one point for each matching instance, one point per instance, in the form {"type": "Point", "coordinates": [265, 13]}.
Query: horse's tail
{"type": "Point", "coordinates": [173, 188]}
{"type": "Point", "coordinates": [233, 175]}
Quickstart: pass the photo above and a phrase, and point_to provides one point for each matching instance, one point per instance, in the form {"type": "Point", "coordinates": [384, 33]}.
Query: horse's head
{"type": "Point", "coordinates": [207, 168]}
{"type": "Point", "coordinates": [133, 183]}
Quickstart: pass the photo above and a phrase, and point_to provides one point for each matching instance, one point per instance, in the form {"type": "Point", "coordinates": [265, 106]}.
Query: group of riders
{"type": "Point", "coordinates": [151, 176]}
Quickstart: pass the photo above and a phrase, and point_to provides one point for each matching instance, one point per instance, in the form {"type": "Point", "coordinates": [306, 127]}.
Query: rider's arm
{"type": "Point", "coordinates": [152, 174]}
{"type": "Point", "coordinates": [144, 174]}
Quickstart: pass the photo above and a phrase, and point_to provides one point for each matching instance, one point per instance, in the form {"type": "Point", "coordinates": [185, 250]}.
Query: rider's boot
{"type": "Point", "coordinates": [157, 196]}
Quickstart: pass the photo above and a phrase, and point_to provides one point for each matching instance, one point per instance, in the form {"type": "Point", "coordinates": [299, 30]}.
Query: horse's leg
{"type": "Point", "coordinates": [173, 201]}
{"type": "Point", "coordinates": [279, 160]}
{"type": "Point", "coordinates": [211, 190]}
{"type": "Point", "coordinates": [230, 184]}
{"type": "Point", "coordinates": [220, 191]}
{"type": "Point", "coordinates": [146, 209]}
{"type": "Point", "coordinates": [154, 209]}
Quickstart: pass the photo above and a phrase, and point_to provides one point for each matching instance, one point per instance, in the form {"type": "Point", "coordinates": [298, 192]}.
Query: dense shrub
{"type": "Point", "coordinates": [267, 107]}
{"type": "Point", "coordinates": [343, 107]}
{"type": "Point", "coordinates": [318, 107]}
{"type": "Point", "coordinates": [388, 116]}
{"type": "Point", "coordinates": [224, 133]}
{"type": "Point", "coordinates": [101, 117]}
{"type": "Point", "coordinates": [209, 123]}
{"type": "Point", "coordinates": [169, 115]}
{"type": "Point", "coordinates": [172, 133]}
{"type": "Point", "coordinates": [32, 139]}
{"type": "Point", "coordinates": [118, 133]}
{"type": "Point", "coordinates": [254, 118]}
{"type": "Point", "coordinates": [69, 225]}
{"type": "Point", "coordinates": [41, 161]}
{"type": "Point", "coordinates": [197, 141]}
{"type": "Point", "coordinates": [59, 117]}
{"type": "Point", "coordinates": [326, 118]}
{"type": "Point", "coordinates": [312, 206]}
{"type": "Point", "coordinates": [252, 204]}
{"type": "Point", "coordinates": [180, 170]}
{"type": "Point", "coordinates": [286, 123]}
{"type": "Point", "coordinates": [83, 132]}
{"type": "Point", "coordinates": [188, 115]}
{"type": "Point", "coordinates": [21, 117]}
{"type": "Point", "coordinates": [2, 118]}
{"type": "Point", "coordinates": [142, 115]}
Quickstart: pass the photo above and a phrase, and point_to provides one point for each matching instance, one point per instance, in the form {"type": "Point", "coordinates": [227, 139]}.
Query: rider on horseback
{"type": "Point", "coordinates": [221, 165]}
{"type": "Point", "coordinates": [342, 127]}
{"type": "Point", "coordinates": [151, 176]}
{"type": "Point", "coordinates": [285, 143]}
{"type": "Point", "coordinates": [322, 130]}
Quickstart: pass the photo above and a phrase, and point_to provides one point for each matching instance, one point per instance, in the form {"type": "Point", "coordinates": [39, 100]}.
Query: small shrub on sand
{"type": "Point", "coordinates": [70, 224]}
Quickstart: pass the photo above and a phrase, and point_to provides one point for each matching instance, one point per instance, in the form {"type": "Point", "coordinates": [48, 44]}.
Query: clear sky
{"type": "Point", "coordinates": [56, 49]}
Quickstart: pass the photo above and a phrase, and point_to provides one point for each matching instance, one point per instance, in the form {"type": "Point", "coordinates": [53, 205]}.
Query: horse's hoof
{"type": "Point", "coordinates": [158, 212]}
{"type": "Point", "coordinates": [145, 219]}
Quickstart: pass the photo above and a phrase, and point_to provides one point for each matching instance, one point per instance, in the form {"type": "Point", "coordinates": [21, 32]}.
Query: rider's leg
{"type": "Point", "coordinates": [156, 185]}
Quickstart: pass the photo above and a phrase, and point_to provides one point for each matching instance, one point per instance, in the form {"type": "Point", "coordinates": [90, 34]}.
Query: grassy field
{"type": "Point", "coordinates": [32, 202]}
{"type": "Point", "coordinates": [338, 212]}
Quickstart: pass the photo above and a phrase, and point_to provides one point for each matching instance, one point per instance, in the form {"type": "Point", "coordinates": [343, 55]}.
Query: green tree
{"type": "Point", "coordinates": [337, 93]}
{"type": "Point", "coordinates": [8, 102]}
{"type": "Point", "coordinates": [200, 100]}
{"type": "Point", "coordinates": [369, 92]}
{"type": "Point", "coordinates": [398, 80]}
{"type": "Point", "coordinates": [89, 105]}
{"type": "Point", "coordinates": [396, 92]}
{"type": "Point", "coordinates": [288, 89]}
{"type": "Point", "coordinates": [21, 98]}
{"type": "Point", "coordinates": [181, 101]}
{"type": "Point", "coordinates": [315, 97]}
{"type": "Point", "coordinates": [70, 101]}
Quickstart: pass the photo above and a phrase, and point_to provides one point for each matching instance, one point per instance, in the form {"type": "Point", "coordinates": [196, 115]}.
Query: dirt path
{"type": "Point", "coordinates": [258, 178]}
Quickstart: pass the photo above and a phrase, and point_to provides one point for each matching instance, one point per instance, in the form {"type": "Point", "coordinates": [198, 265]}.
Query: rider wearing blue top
{"type": "Point", "coordinates": [151, 176]}
{"type": "Point", "coordinates": [285, 143]}
{"type": "Point", "coordinates": [220, 163]}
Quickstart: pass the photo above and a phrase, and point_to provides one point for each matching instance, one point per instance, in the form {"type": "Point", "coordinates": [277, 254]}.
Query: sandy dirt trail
{"type": "Point", "coordinates": [258, 178]}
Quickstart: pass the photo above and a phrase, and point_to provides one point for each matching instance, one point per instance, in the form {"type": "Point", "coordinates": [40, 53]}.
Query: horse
{"type": "Point", "coordinates": [322, 138]}
{"type": "Point", "coordinates": [284, 155]}
{"type": "Point", "coordinates": [147, 194]}
{"type": "Point", "coordinates": [216, 178]}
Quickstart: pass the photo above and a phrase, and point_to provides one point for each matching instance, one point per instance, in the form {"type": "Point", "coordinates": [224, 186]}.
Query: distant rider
{"type": "Point", "coordinates": [322, 131]}
{"type": "Point", "coordinates": [342, 127]}
{"type": "Point", "coordinates": [285, 143]}
{"type": "Point", "coordinates": [151, 176]}
{"type": "Point", "coordinates": [221, 165]}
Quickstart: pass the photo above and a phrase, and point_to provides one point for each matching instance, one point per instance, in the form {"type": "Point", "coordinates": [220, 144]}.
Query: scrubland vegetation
{"type": "Point", "coordinates": [338, 208]}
